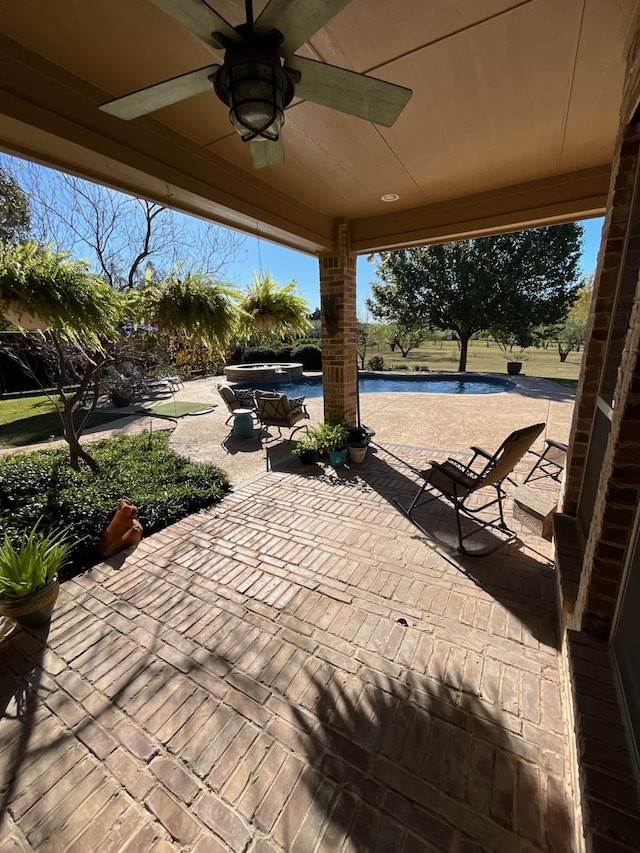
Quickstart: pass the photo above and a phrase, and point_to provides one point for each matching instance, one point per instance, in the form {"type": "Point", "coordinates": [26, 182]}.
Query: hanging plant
{"type": "Point", "coordinates": [273, 310]}
{"type": "Point", "coordinates": [192, 303]}
{"type": "Point", "coordinates": [44, 289]}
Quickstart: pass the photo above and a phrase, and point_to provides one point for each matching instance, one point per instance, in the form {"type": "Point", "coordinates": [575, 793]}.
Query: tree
{"type": "Point", "coordinates": [83, 318]}
{"type": "Point", "coordinates": [508, 284]}
{"type": "Point", "coordinates": [365, 338]}
{"type": "Point", "coordinates": [14, 210]}
{"type": "Point", "coordinates": [81, 314]}
{"type": "Point", "coordinates": [570, 335]}
{"type": "Point", "coordinates": [270, 311]}
{"type": "Point", "coordinates": [119, 235]}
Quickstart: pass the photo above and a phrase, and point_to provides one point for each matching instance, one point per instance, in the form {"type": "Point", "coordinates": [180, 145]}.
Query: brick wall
{"type": "Point", "coordinates": [608, 274]}
{"type": "Point", "coordinates": [612, 359]}
{"type": "Point", "coordinates": [338, 304]}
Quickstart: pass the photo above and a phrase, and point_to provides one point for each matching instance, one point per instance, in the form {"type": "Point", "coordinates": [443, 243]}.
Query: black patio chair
{"type": "Point", "coordinates": [279, 411]}
{"type": "Point", "coordinates": [457, 482]}
{"type": "Point", "coordinates": [550, 463]}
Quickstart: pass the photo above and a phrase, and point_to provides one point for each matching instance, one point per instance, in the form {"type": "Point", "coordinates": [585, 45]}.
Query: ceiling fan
{"type": "Point", "coordinates": [261, 73]}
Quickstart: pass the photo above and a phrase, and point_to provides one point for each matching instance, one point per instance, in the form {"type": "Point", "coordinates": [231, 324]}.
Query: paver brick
{"type": "Point", "coordinates": [134, 776]}
{"type": "Point", "coordinates": [217, 815]}
{"type": "Point", "coordinates": [175, 778]}
{"type": "Point", "coordinates": [110, 829]}
{"type": "Point", "coordinates": [337, 726]}
{"type": "Point", "coordinates": [173, 816]}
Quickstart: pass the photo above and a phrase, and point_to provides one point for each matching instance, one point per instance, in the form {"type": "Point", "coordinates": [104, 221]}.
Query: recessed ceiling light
{"type": "Point", "coordinates": [390, 197]}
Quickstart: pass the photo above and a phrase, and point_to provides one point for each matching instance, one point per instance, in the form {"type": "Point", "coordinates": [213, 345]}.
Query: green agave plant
{"type": "Point", "coordinates": [33, 563]}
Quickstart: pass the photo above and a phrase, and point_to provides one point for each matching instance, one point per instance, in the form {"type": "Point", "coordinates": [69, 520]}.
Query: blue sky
{"type": "Point", "coordinates": [285, 265]}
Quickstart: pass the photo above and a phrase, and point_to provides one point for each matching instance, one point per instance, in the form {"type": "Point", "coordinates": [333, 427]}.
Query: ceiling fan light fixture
{"type": "Point", "coordinates": [256, 88]}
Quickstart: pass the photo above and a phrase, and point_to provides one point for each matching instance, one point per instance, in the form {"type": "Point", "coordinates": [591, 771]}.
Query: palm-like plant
{"type": "Point", "coordinates": [193, 303]}
{"type": "Point", "coordinates": [273, 310]}
{"type": "Point", "coordinates": [33, 563]}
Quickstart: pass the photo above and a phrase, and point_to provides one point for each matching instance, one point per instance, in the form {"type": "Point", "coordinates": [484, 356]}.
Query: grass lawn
{"type": "Point", "coordinates": [482, 358]}
{"type": "Point", "coordinates": [28, 420]}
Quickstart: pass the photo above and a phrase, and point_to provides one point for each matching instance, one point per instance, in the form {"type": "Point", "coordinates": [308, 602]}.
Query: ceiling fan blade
{"type": "Point", "coordinates": [198, 17]}
{"type": "Point", "coordinates": [162, 94]}
{"type": "Point", "coordinates": [355, 94]}
{"type": "Point", "coordinates": [298, 20]}
{"type": "Point", "coordinates": [265, 153]}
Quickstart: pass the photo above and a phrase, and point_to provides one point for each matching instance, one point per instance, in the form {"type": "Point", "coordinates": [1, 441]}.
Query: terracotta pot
{"type": "Point", "coordinates": [33, 609]}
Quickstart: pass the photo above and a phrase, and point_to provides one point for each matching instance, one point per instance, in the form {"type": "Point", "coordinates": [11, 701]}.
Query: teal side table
{"type": "Point", "coordinates": [243, 423]}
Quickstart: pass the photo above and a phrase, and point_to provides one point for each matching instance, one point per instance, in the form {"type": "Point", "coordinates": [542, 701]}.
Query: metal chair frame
{"type": "Point", "coordinates": [457, 482]}
{"type": "Point", "coordinates": [548, 466]}
{"type": "Point", "coordinates": [273, 410]}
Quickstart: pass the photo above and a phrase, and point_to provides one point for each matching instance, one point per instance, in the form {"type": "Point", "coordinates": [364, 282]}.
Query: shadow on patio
{"type": "Point", "coordinates": [243, 682]}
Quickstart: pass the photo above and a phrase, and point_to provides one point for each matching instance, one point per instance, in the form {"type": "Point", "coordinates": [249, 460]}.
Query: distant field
{"type": "Point", "coordinates": [482, 358]}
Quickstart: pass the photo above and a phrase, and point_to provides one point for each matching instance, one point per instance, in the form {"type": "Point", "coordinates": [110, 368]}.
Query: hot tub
{"type": "Point", "coordinates": [256, 373]}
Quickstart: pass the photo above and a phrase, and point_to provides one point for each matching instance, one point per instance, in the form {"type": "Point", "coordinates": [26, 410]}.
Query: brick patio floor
{"type": "Point", "coordinates": [242, 682]}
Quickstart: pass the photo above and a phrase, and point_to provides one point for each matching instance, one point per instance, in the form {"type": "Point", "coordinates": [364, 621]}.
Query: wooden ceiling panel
{"type": "Point", "coordinates": [596, 87]}
{"type": "Point", "coordinates": [118, 46]}
{"type": "Point", "coordinates": [505, 92]}
{"type": "Point", "coordinates": [368, 35]}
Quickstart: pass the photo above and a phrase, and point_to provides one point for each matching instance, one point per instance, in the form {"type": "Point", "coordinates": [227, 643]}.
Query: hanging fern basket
{"type": "Point", "coordinates": [15, 310]}
{"type": "Point", "coordinates": [265, 323]}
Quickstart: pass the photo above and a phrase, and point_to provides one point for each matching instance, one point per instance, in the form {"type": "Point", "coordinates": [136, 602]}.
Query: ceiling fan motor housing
{"type": "Point", "coordinates": [255, 86]}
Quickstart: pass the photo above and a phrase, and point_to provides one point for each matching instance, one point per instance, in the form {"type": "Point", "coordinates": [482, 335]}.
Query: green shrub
{"type": "Point", "coordinates": [163, 485]}
{"type": "Point", "coordinates": [309, 355]}
{"type": "Point", "coordinates": [284, 353]}
{"type": "Point", "coordinates": [376, 363]}
{"type": "Point", "coordinates": [400, 367]}
{"type": "Point", "coordinates": [258, 355]}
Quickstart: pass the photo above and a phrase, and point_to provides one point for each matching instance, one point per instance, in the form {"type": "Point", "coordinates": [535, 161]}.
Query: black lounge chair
{"type": "Point", "coordinates": [457, 482]}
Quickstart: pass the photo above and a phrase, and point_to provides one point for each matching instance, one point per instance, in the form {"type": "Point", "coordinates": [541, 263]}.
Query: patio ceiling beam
{"type": "Point", "coordinates": [551, 201]}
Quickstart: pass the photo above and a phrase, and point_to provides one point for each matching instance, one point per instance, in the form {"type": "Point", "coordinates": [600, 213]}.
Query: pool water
{"type": "Point", "coordinates": [371, 383]}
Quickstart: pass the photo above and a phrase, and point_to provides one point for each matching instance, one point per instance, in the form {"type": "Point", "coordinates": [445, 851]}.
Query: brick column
{"type": "Point", "coordinates": [618, 498]}
{"type": "Point", "coordinates": [338, 305]}
{"type": "Point", "coordinates": [613, 354]}
{"type": "Point", "coordinates": [609, 270]}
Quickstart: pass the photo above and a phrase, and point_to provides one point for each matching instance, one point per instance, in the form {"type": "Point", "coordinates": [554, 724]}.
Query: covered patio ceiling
{"type": "Point", "coordinates": [512, 121]}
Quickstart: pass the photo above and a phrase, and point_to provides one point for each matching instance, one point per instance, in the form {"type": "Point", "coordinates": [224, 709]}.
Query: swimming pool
{"type": "Point", "coordinates": [371, 383]}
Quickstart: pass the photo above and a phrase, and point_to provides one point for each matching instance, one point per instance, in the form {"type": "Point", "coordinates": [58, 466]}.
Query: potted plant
{"type": "Point", "coordinates": [513, 344]}
{"type": "Point", "coordinates": [307, 450]}
{"type": "Point", "coordinates": [358, 441]}
{"type": "Point", "coordinates": [333, 439]}
{"type": "Point", "coordinates": [28, 575]}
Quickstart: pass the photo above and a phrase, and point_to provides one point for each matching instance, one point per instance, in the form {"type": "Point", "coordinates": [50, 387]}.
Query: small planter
{"type": "Point", "coordinates": [357, 453]}
{"type": "Point", "coordinates": [33, 609]}
{"type": "Point", "coordinates": [514, 367]}
{"type": "Point", "coordinates": [337, 458]}
{"type": "Point", "coordinates": [308, 456]}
